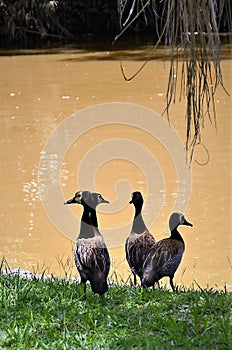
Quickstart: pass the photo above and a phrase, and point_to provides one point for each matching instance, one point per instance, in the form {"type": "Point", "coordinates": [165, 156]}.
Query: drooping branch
{"type": "Point", "coordinates": [191, 31]}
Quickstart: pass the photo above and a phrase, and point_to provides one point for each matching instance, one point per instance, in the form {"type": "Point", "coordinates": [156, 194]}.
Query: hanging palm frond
{"type": "Point", "coordinates": [191, 31]}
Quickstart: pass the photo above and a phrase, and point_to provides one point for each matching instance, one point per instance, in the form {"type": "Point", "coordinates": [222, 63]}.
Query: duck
{"type": "Point", "coordinates": [90, 252]}
{"type": "Point", "coordinates": [165, 256]}
{"type": "Point", "coordinates": [140, 240]}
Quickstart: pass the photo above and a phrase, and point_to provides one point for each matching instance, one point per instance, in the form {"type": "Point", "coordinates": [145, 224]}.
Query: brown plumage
{"type": "Point", "coordinates": [91, 255]}
{"type": "Point", "coordinates": [165, 256]}
{"type": "Point", "coordinates": [140, 241]}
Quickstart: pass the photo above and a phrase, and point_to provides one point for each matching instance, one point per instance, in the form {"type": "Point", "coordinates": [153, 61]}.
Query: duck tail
{"type": "Point", "coordinates": [99, 287]}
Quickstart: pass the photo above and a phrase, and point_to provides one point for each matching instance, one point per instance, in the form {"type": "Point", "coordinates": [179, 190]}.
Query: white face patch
{"type": "Point", "coordinates": [182, 219]}
{"type": "Point", "coordinates": [78, 197]}
{"type": "Point", "coordinates": [99, 198]}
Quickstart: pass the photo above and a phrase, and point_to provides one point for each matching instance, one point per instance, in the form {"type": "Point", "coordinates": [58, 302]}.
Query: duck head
{"type": "Point", "coordinates": [80, 197]}
{"type": "Point", "coordinates": [177, 219]}
{"type": "Point", "coordinates": [137, 198]}
{"type": "Point", "coordinates": [88, 198]}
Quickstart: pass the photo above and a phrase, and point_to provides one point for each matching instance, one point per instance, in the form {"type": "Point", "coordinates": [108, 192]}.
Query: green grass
{"type": "Point", "coordinates": [49, 314]}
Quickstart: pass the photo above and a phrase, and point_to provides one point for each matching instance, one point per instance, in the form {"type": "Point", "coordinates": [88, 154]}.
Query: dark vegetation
{"type": "Point", "coordinates": [40, 23]}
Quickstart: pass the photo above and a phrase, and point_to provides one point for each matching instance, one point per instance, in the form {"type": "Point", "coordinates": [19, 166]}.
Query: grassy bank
{"type": "Point", "coordinates": [49, 314]}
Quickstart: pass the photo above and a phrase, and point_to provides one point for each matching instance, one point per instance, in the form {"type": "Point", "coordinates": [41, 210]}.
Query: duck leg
{"type": "Point", "coordinates": [135, 280]}
{"type": "Point", "coordinates": [83, 282]}
{"type": "Point", "coordinates": [153, 287]}
{"type": "Point", "coordinates": [171, 283]}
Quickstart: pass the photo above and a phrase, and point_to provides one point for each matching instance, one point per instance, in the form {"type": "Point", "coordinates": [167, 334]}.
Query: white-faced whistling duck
{"type": "Point", "coordinates": [91, 255]}
{"type": "Point", "coordinates": [140, 241]}
{"type": "Point", "coordinates": [165, 256]}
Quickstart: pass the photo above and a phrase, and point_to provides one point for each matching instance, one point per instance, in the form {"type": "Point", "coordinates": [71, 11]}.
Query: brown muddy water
{"type": "Point", "coordinates": [69, 121]}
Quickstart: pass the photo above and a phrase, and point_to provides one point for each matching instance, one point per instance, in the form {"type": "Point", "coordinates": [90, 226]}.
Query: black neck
{"type": "Point", "coordinates": [93, 219]}
{"type": "Point", "coordinates": [89, 224]}
{"type": "Point", "coordinates": [138, 223]}
{"type": "Point", "coordinates": [176, 235]}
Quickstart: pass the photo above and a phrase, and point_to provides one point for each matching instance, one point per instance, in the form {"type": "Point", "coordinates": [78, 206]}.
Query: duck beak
{"type": "Point", "coordinates": [70, 201]}
{"type": "Point", "coordinates": [186, 223]}
{"type": "Point", "coordinates": [131, 202]}
{"type": "Point", "coordinates": [105, 201]}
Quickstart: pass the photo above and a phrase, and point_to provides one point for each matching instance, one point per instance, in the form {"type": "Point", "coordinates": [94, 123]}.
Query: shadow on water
{"type": "Point", "coordinates": [108, 52]}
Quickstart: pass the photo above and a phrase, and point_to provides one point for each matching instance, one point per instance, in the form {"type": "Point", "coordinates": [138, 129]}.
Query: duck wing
{"type": "Point", "coordinates": [93, 262]}
{"type": "Point", "coordinates": [137, 247]}
{"type": "Point", "coordinates": [162, 260]}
